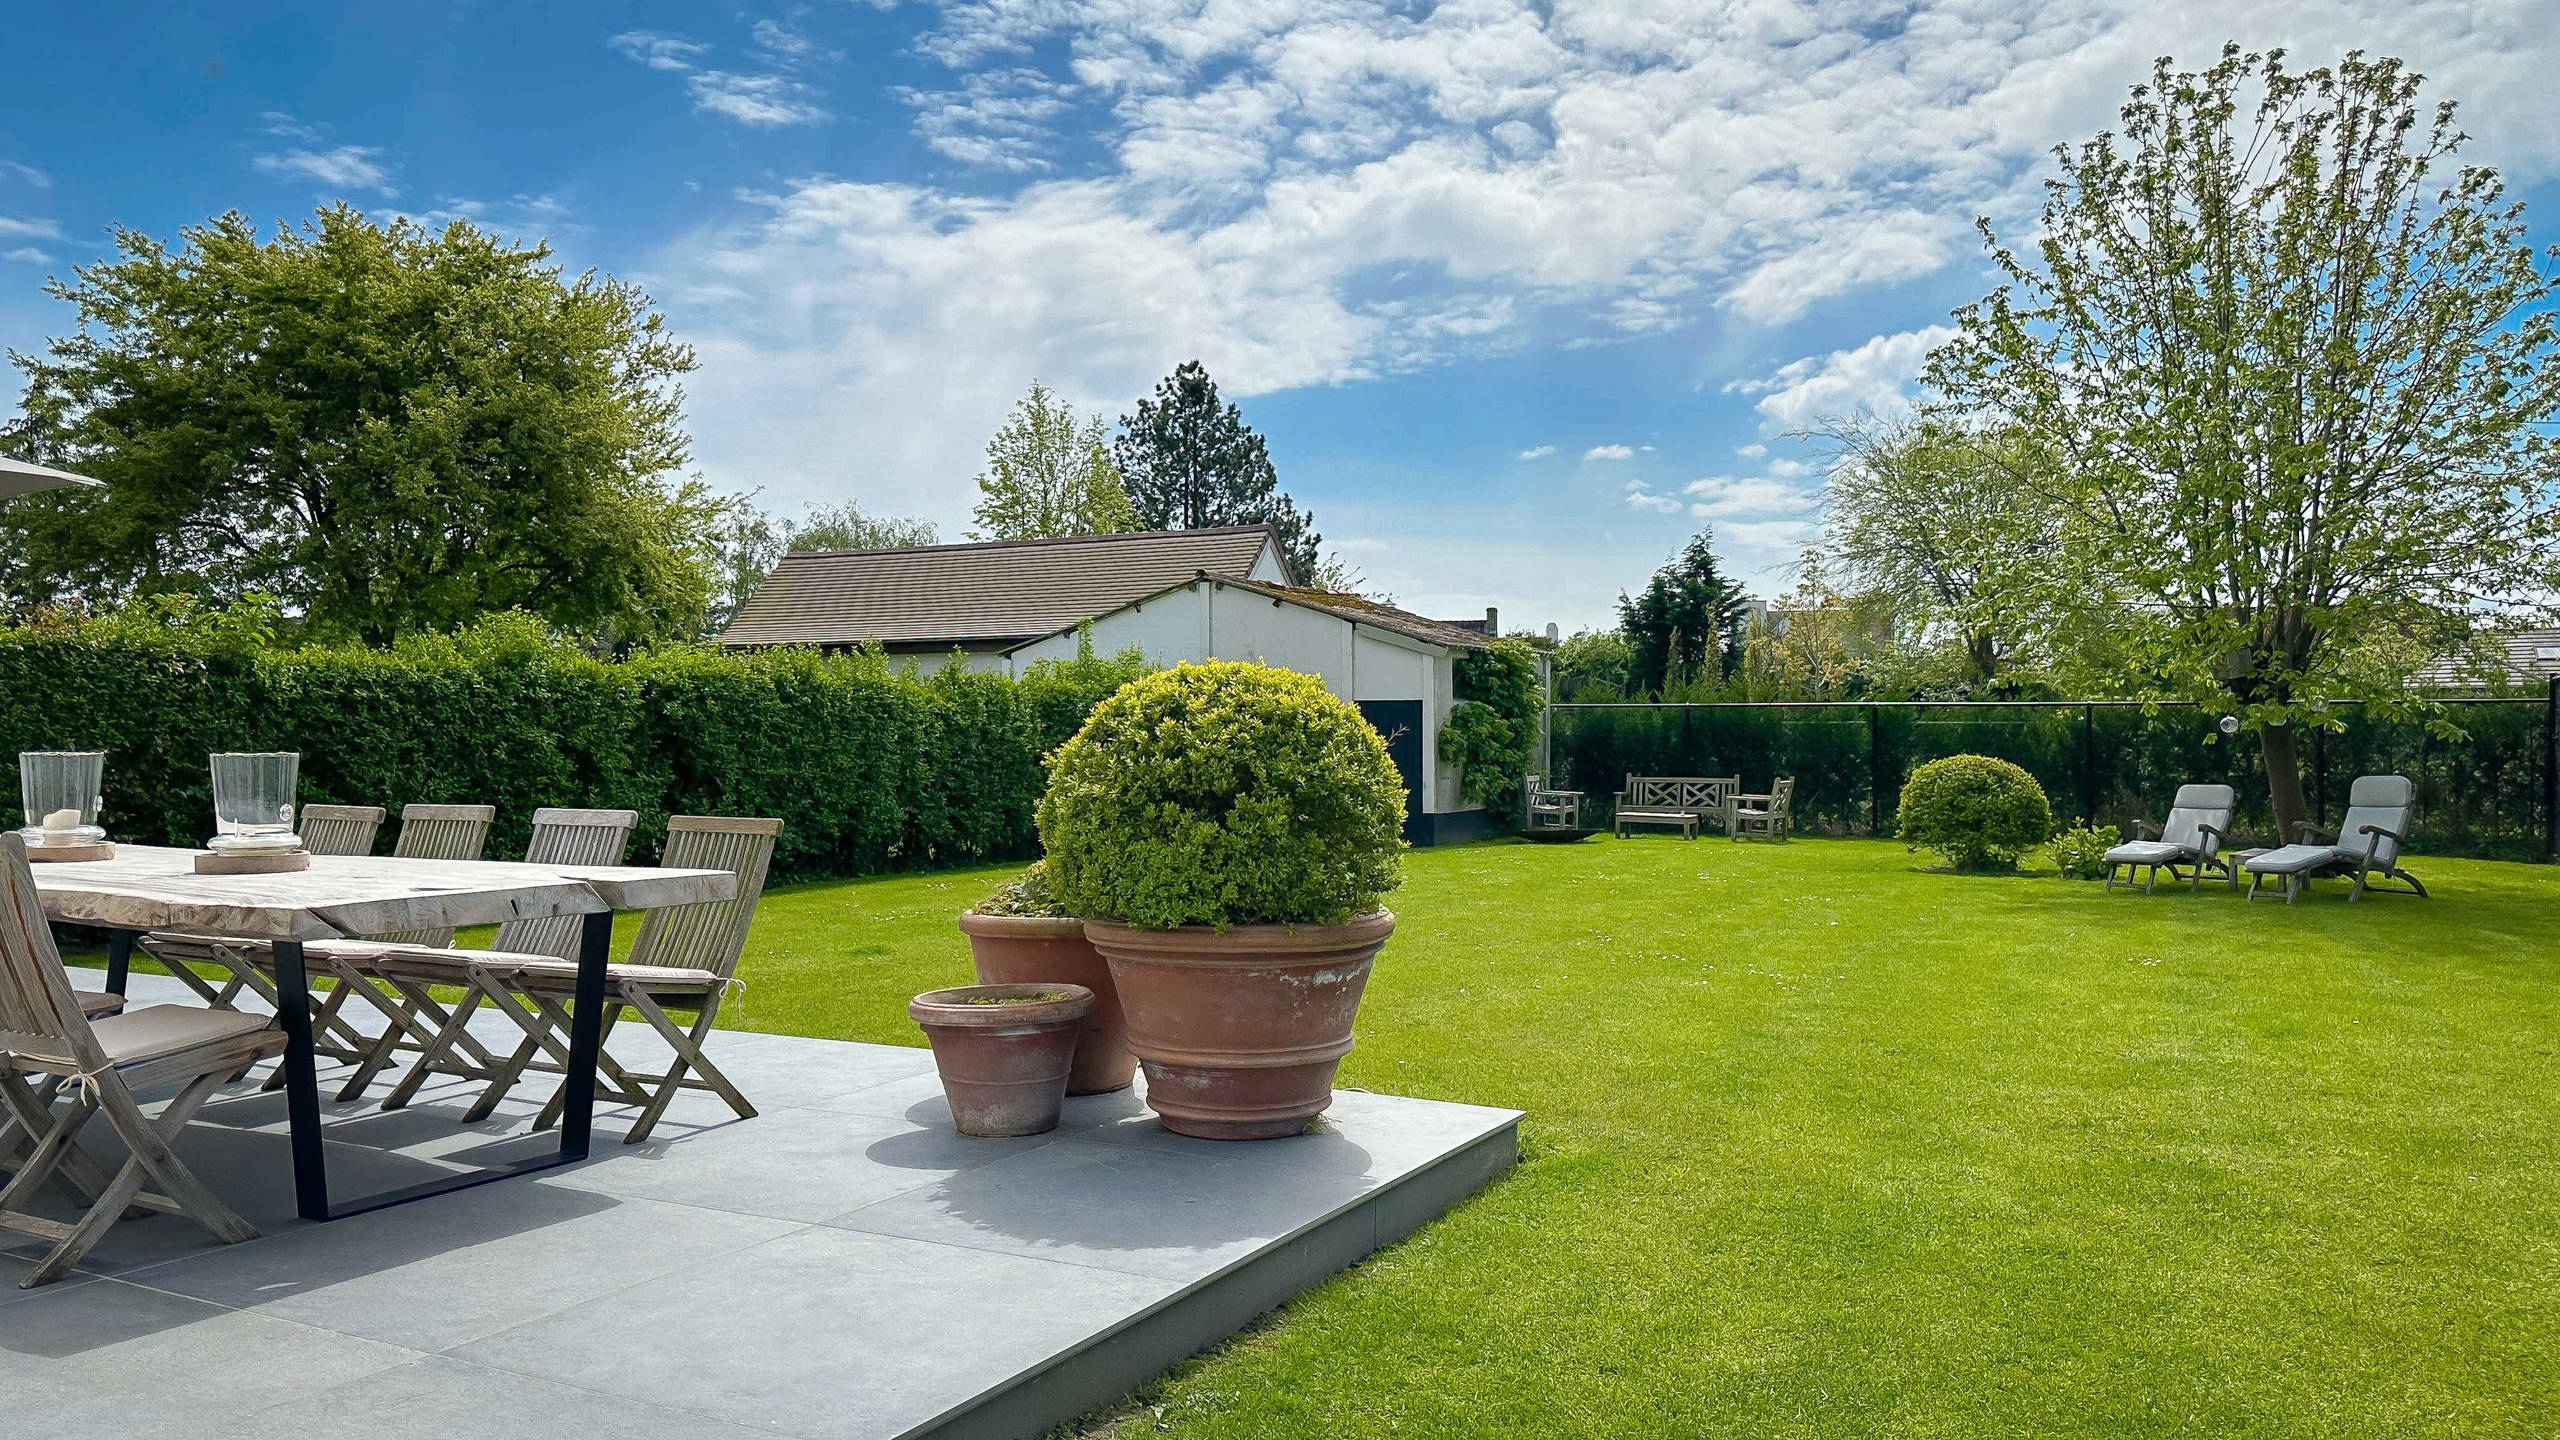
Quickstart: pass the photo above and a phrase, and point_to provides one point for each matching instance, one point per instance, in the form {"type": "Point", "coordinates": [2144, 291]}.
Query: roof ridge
{"type": "Point", "coordinates": [1264, 527]}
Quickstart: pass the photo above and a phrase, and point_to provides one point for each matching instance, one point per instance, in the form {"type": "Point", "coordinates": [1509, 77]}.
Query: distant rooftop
{"type": "Point", "coordinates": [2524, 657]}
{"type": "Point", "coordinates": [988, 594]}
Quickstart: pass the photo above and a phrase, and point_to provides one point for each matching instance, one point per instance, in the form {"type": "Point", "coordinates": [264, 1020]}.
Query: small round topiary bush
{"type": "Point", "coordinates": [1976, 811]}
{"type": "Point", "coordinates": [1223, 794]}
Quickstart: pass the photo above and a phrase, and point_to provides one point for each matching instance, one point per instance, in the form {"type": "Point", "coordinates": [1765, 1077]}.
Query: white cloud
{"type": "Point", "coordinates": [1000, 120]}
{"type": "Point", "coordinates": [1752, 451]}
{"type": "Point", "coordinates": [782, 42]}
{"type": "Point", "coordinates": [1724, 496]}
{"type": "Point", "coordinates": [761, 100]}
{"type": "Point", "coordinates": [26, 254]}
{"type": "Point", "coordinates": [659, 51]}
{"type": "Point", "coordinates": [30, 229]}
{"type": "Point", "coordinates": [25, 174]}
{"type": "Point", "coordinates": [1537, 452]}
{"type": "Point", "coordinates": [1639, 497]}
{"type": "Point", "coordinates": [1609, 452]}
{"type": "Point", "coordinates": [1872, 379]}
{"type": "Point", "coordinates": [340, 167]}
{"type": "Point", "coordinates": [528, 217]}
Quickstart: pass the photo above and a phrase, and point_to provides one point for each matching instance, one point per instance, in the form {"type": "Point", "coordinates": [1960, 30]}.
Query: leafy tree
{"type": "Point", "coordinates": [1686, 624]}
{"type": "Point", "coordinates": [1934, 519]}
{"type": "Point", "coordinates": [1491, 736]}
{"type": "Point", "coordinates": [1191, 462]}
{"type": "Point", "coordinates": [1818, 643]}
{"type": "Point", "coordinates": [1047, 474]}
{"type": "Point", "coordinates": [753, 541]}
{"type": "Point", "coordinates": [1594, 665]}
{"type": "Point", "coordinates": [2297, 386]}
{"type": "Point", "coordinates": [390, 429]}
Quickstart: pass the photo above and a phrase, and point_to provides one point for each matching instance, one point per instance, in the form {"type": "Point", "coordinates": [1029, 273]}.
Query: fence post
{"type": "Point", "coordinates": [2089, 765]}
{"type": "Point", "coordinates": [1875, 768]}
{"type": "Point", "coordinates": [2551, 774]}
{"type": "Point", "coordinates": [2320, 777]}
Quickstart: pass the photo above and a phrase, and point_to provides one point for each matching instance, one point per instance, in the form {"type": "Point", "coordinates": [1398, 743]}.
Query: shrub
{"type": "Point", "coordinates": [2080, 853]}
{"type": "Point", "coordinates": [1492, 734]}
{"type": "Point", "coordinates": [1976, 811]}
{"type": "Point", "coordinates": [1026, 896]}
{"type": "Point", "coordinates": [1223, 794]}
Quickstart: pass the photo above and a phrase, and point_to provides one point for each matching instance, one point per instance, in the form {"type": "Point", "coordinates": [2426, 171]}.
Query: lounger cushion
{"type": "Point", "coordinates": [2191, 810]}
{"type": "Point", "coordinates": [2382, 800]}
{"type": "Point", "coordinates": [548, 974]}
{"type": "Point", "coordinates": [2298, 859]}
{"type": "Point", "coordinates": [153, 1031]}
{"type": "Point", "coordinates": [2151, 852]}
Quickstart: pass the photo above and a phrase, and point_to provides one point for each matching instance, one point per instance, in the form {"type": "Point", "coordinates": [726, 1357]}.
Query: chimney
{"type": "Point", "coordinates": [1492, 623]}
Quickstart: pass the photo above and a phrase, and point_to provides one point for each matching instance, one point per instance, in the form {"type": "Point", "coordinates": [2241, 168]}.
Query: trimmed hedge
{"type": "Point", "coordinates": [870, 766]}
{"type": "Point", "coordinates": [1975, 810]}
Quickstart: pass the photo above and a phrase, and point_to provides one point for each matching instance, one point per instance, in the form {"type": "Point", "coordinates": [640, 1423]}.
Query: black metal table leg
{"type": "Point", "coordinates": [301, 1084]}
{"type": "Point", "coordinates": [586, 1036]}
{"type": "Point", "coordinates": [119, 959]}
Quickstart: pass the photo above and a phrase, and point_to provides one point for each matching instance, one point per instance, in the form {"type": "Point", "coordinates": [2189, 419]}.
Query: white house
{"type": "Point", "coordinates": [1223, 594]}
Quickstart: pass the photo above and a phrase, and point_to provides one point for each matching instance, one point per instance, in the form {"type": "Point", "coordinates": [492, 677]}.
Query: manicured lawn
{"type": "Point", "coordinates": [1820, 1143]}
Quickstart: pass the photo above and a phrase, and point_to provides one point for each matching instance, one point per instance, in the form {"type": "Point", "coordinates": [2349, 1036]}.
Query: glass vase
{"type": "Point", "coordinates": [60, 788]}
{"type": "Point", "coordinates": [253, 802]}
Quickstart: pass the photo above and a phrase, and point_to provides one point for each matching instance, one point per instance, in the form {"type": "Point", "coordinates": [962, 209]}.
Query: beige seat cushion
{"type": "Point", "coordinates": [548, 972]}
{"type": "Point", "coordinates": [155, 1031]}
{"type": "Point", "coordinates": [94, 1003]}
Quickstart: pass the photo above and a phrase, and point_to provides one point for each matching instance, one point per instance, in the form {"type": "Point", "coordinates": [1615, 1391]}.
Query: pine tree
{"type": "Point", "coordinates": [1686, 619]}
{"type": "Point", "coordinates": [1049, 475]}
{"type": "Point", "coordinates": [1190, 462]}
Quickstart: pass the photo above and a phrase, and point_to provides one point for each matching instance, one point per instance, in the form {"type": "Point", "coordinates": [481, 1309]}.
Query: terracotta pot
{"type": "Point", "coordinates": [1004, 1066]}
{"type": "Point", "coordinates": [1240, 1029]}
{"type": "Point", "coordinates": [1030, 950]}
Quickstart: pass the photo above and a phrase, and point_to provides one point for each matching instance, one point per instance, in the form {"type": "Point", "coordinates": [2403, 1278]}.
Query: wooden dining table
{"type": "Point", "coordinates": [147, 888]}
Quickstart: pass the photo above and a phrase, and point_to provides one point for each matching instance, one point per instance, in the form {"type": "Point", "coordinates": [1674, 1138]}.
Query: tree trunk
{"type": "Point", "coordinates": [2284, 780]}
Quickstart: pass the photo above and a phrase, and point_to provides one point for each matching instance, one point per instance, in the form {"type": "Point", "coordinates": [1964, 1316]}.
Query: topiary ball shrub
{"type": "Point", "coordinates": [1223, 794]}
{"type": "Point", "coordinates": [1978, 812]}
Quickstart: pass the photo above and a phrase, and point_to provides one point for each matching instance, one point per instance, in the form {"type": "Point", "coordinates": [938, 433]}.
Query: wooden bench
{"type": "Point", "coordinates": [1681, 800]}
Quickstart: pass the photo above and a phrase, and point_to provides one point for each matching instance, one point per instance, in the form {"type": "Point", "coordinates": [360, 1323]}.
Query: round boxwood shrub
{"type": "Point", "coordinates": [1223, 794]}
{"type": "Point", "coordinates": [1976, 811]}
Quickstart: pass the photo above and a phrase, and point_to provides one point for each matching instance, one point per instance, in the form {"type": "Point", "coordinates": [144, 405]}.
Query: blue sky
{"type": "Point", "coordinates": [1521, 293]}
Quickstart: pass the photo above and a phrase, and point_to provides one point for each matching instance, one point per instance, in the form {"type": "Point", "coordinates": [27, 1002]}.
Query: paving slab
{"type": "Point", "coordinates": [846, 1264]}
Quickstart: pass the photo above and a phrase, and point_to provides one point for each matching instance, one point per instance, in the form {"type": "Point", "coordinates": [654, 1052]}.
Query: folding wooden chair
{"type": "Point", "coordinates": [416, 1016]}
{"type": "Point", "coordinates": [326, 830]}
{"type": "Point", "coordinates": [96, 1069]}
{"type": "Point", "coordinates": [684, 960]}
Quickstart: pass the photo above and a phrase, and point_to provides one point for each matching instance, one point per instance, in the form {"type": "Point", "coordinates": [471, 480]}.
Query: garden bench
{"type": "Point", "coordinates": [1552, 809]}
{"type": "Point", "coordinates": [1681, 800]}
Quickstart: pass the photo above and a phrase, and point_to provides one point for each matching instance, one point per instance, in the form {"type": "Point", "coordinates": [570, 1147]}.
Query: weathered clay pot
{"type": "Point", "coordinates": [1030, 949]}
{"type": "Point", "coordinates": [1240, 1029]}
{"type": "Point", "coordinates": [1004, 1065]}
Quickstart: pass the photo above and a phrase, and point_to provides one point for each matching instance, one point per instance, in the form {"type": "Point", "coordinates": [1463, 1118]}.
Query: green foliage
{"type": "Point", "coordinates": [1491, 736]}
{"type": "Point", "coordinates": [1223, 794]}
{"type": "Point", "coordinates": [1189, 462]}
{"type": "Point", "coordinates": [1685, 626]}
{"type": "Point", "coordinates": [1049, 474]}
{"type": "Point", "coordinates": [871, 766]}
{"type": "Point", "coordinates": [2297, 368]}
{"type": "Point", "coordinates": [388, 428]}
{"type": "Point", "coordinates": [1594, 665]}
{"type": "Point", "coordinates": [1026, 896]}
{"type": "Point", "coordinates": [1978, 812]}
{"type": "Point", "coordinates": [2080, 852]}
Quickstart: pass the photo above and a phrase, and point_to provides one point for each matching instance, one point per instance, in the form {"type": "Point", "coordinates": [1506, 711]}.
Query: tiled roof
{"type": "Point", "coordinates": [1385, 617]}
{"type": "Point", "coordinates": [1005, 590]}
{"type": "Point", "coordinates": [2528, 656]}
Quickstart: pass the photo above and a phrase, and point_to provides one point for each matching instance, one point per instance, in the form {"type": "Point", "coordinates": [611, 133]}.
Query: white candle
{"type": "Point", "coordinates": [62, 820]}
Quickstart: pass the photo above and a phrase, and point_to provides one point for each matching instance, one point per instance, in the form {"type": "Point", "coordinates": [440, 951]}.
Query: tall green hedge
{"type": "Point", "coordinates": [871, 766]}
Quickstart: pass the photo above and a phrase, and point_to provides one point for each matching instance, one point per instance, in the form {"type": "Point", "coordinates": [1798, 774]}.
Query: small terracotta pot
{"type": "Point", "coordinates": [1031, 950]}
{"type": "Point", "coordinates": [1241, 1029]}
{"type": "Point", "coordinates": [1004, 1066]}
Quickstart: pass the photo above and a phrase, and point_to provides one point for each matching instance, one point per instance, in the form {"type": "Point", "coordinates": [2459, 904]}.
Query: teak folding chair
{"type": "Point", "coordinates": [96, 1069]}
{"type": "Point", "coordinates": [684, 960]}
{"type": "Point", "coordinates": [560, 837]}
{"type": "Point", "coordinates": [326, 830]}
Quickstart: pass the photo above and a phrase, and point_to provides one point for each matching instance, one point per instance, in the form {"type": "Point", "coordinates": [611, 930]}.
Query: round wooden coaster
{"type": "Point", "coordinates": [103, 850]}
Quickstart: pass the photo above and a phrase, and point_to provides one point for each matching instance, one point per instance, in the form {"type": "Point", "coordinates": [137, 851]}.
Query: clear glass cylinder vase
{"type": "Point", "coordinates": [253, 800]}
{"type": "Point", "coordinates": [61, 791]}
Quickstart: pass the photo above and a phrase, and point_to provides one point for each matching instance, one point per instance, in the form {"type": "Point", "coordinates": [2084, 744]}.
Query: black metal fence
{"type": "Point", "coordinates": [2489, 792]}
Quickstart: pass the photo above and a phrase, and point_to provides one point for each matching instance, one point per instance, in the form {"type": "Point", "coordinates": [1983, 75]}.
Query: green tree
{"type": "Point", "coordinates": [1594, 665]}
{"type": "Point", "coordinates": [388, 428]}
{"type": "Point", "coordinates": [2297, 383]}
{"type": "Point", "coordinates": [1686, 624]}
{"type": "Point", "coordinates": [1189, 461]}
{"type": "Point", "coordinates": [1049, 474]}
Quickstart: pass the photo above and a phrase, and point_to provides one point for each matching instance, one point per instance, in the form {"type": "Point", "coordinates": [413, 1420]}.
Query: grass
{"type": "Point", "coordinates": [1822, 1143]}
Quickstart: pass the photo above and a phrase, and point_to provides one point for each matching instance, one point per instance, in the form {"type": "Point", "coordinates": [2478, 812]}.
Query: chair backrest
{"type": "Point", "coordinates": [40, 1019]}
{"type": "Point", "coordinates": [1702, 793]}
{"type": "Point", "coordinates": [439, 832]}
{"type": "Point", "coordinates": [2193, 808]}
{"type": "Point", "coordinates": [566, 837]}
{"type": "Point", "coordinates": [340, 829]}
{"type": "Point", "coordinates": [709, 936]}
{"type": "Point", "coordinates": [2383, 800]}
{"type": "Point", "coordinates": [1782, 795]}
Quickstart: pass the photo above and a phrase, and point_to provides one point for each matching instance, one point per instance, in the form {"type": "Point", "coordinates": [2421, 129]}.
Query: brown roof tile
{"type": "Point", "coordinates": [1005, 590]}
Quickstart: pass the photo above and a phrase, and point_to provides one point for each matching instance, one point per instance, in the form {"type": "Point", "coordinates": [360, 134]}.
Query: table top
{"type": "Point", "coordinates": [149, 887]}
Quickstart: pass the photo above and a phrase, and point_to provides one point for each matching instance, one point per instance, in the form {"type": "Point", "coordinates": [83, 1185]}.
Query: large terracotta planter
{"type": "Point", "coordinates": [1241, 1029]}
{"type": "Point", "coordinates": [1003, 1051]}
{"type": "Point", "coordinates": [1031, 950]}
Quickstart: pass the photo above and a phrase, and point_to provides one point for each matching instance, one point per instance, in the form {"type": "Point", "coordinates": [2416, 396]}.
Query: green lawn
{"type": "Point", "coordinates": [1821, 1143]}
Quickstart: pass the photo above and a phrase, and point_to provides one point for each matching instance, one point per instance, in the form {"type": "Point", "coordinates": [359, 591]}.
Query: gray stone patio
{"type": "Point", "coordinates": [844, 1265]}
